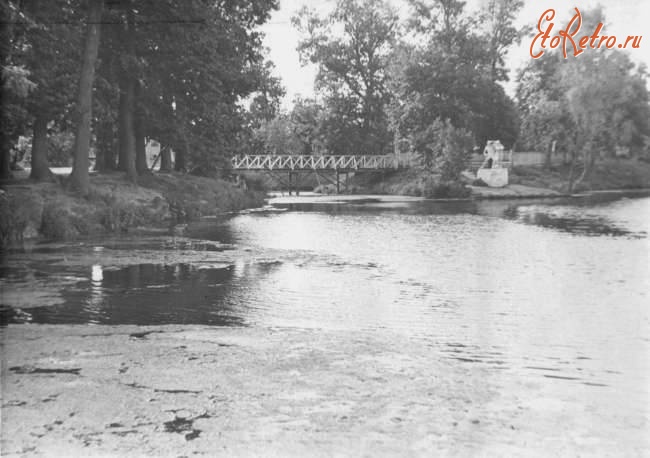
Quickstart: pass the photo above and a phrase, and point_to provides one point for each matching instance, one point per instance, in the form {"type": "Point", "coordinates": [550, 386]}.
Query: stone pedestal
{"type": "Point", "coordinates": [494, 178]}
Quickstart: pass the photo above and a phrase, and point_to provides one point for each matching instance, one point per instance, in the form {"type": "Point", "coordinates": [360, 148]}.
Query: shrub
{"type": "Point", "coordinates": [57, 222]}
{"type": "Point", "coordinates": [256, 182]}
{"type": "Point", "coordinates": [443, 148]}
{"type": "Point", "coordinates": [325, 189]}
{"type": "Point", "coordinates": [118, 215]}
{"type": "Point", "coordinates": [444, 190]}
{"type": "Point", "coordinates": [19, 213]}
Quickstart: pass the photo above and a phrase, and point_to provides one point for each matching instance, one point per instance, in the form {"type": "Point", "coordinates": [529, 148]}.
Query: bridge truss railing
{"type": "Point", "coordinates": [304, 162]}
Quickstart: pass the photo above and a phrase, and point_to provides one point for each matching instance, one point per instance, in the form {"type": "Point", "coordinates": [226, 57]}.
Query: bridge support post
{"type": "Point", "coordinates": [338, 182]}
{"type": "Point", "coordinates": [290, 176]}
{"type": "Point", "coordinates": [296, 185]}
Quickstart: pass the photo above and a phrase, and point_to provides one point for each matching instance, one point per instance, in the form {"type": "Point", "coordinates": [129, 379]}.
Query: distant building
{"type": "Point", "coordinates": [152, 150]}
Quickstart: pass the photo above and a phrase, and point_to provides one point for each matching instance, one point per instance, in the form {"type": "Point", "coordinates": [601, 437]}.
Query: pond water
{"type": "Point", "coordinates": [558, 288]}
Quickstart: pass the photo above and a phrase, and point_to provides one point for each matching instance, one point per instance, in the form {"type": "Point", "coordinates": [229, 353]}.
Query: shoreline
{"type": "Point", "coordinates": [48, 212]}
{"type": "Point", "coordinates": [478, 193]}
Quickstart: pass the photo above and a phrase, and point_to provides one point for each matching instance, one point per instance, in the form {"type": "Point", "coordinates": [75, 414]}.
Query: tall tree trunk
{"type": "Point", "coordinates": [140, 147]}
{"type": "Point", "coordinates": [547, 156]}
{"type": "Point", "coordinates": [110, 153]}
{"type": "Point", "coordinates": [138, 129]}
{"type": "Point", "coordinates": [571, 179]}
{"type": "Point", "coordinates": [7, 39]}
{"type": "Point", "coordinates": [79, 177]}
{"type": "Point", "coordinates": [99, 154]}
{"type": "Point", "coordinates": [165, 158]}
{"type": "Point", "coordinates": [105, 147]}
{"type": "Point", "coordinates": [127, 145]}
{"type": "Point", "coordinates": [40, 166]}
{"type": "Point", "coordinates": [127, 108]}
{"type": "Point", "coordinates": [5, 155]}
{"type": "Point", "coordinates": [122, 127]}
{"type": "Point", "coordinates": [588, 162]}
{"type": "Point", "coordinates": [182, 149]}
{"type": "Point", "coordinates": [180, 153]}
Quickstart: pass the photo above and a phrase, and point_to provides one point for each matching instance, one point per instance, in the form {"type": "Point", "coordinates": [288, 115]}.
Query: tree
{"type": "Point", "coordinates": [352, 72]}
{"type": "Point", "coordinates": [444, 149]}
{"type": "Point", "coordinates": [497, 17]}
{"type": "Point", "coordinates": [180, 70]}
{"type": "Point", "coordinates": [448, 76]}
{"type": "Point", "coordinates": [308, 118]}
{"type": "Point", "coordinates": [47, 48]}
{"type": "Point", "coordinates": [127, 105]}
{"type": "Point", "coordinates": [178, 73]}
{"type": "Point", "coordinates": [16, 83]}
{"type": "Point", "coordinates": [16, 87]}
{"type": "Point", "coordinates": [52, 54]}
{"type": "Point", "coordinates": [278, 136]}
{"type": "Point", "coordinates": [79, 177]}
{"type": "Point", "coordinates": [265, 103]}
{"type": "Point", "coordinates": [608, 102]}
{"type": "Point", "coordinates": [591, 105]}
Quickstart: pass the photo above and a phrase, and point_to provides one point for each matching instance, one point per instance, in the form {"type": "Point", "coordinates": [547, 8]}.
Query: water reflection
{"type": "Point", "coordinates": [570, 219]}
{"type": "Point", "coordinates": [145, 294]}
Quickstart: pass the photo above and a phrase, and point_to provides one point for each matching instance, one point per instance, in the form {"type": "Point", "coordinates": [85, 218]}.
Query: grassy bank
{"type": "Point", "coordinates": [607, 174]}
{"type": "Point", "coordinates": [114, 205]}
{"type": "Point", "coordinates": [405, 182]}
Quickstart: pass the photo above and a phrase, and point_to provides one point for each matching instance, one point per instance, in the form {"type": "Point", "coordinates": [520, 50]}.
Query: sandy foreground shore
{"type": "Point", "coordinates": [196, 390]}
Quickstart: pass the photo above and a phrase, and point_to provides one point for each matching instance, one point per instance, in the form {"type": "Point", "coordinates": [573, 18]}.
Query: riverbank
{"type": "Point", "coordinates": [525, 182]}
{"type": "Point", "coordinates": [48, 210]}
{"type": "Point", "coordinates": [609, 174]}
{"type": "Point", "coordinates": [196, 390]}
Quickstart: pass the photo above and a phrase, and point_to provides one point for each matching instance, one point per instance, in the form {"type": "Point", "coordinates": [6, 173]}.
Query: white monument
{"type": "Point", "coordinates": [492, 171]}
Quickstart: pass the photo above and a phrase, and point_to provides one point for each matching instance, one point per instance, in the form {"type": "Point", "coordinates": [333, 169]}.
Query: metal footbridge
{"type": "Point", "coordinates": [293, 165]}
{"type": "Point", "coordinates": [289, 162]}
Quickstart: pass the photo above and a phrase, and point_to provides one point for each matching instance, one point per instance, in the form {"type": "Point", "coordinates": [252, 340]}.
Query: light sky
{"type": "Point", "coordinates": [623, 18]}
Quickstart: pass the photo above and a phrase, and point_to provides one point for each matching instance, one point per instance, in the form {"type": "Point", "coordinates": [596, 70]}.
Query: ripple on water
{"type": "Point", "coordinates": [497, 276]}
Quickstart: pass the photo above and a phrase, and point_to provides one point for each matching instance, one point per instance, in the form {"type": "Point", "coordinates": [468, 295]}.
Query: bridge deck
{"type": "Point", "coordinates": [304, 162]}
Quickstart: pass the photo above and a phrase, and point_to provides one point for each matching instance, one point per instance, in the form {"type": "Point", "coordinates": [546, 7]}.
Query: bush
{"type": "Point", "coordinates": [19, 214]}
{"type": "Point", "coordinates": [444, 190]}
{"type": "Point", "coordinates": [58, 222]}
{"type": "Point", "coordinates": [479, 182]}
{"type": "Point", "coordinates": [256, 182]}
{"type": "Point", "coordinates": [325, 189]}
{"type": "Point", "coordinates": [118, 215]}
{"type": "Point", "coordinates": [443, 148]}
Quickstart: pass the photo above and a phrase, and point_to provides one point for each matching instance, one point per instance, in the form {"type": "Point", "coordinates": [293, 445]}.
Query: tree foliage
{"type": "Point", "coordinates": [444, 149]}
{"type": "Point", "coordinates": [451, 75]}
{"type": "Point", "coordinates": [498, 17]}
{"type": "Point", "coordinates": [176, 72]}
{"type": "Point", "coordinates": [193, 76]}
{"type": "Point", "coordinates": [591, 106]}
{"type": "Point", "coordinates": [352, 47]}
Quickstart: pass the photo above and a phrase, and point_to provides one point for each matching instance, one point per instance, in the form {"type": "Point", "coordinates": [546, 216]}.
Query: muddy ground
{"type": "Point", "coordinates": [211, 391]}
